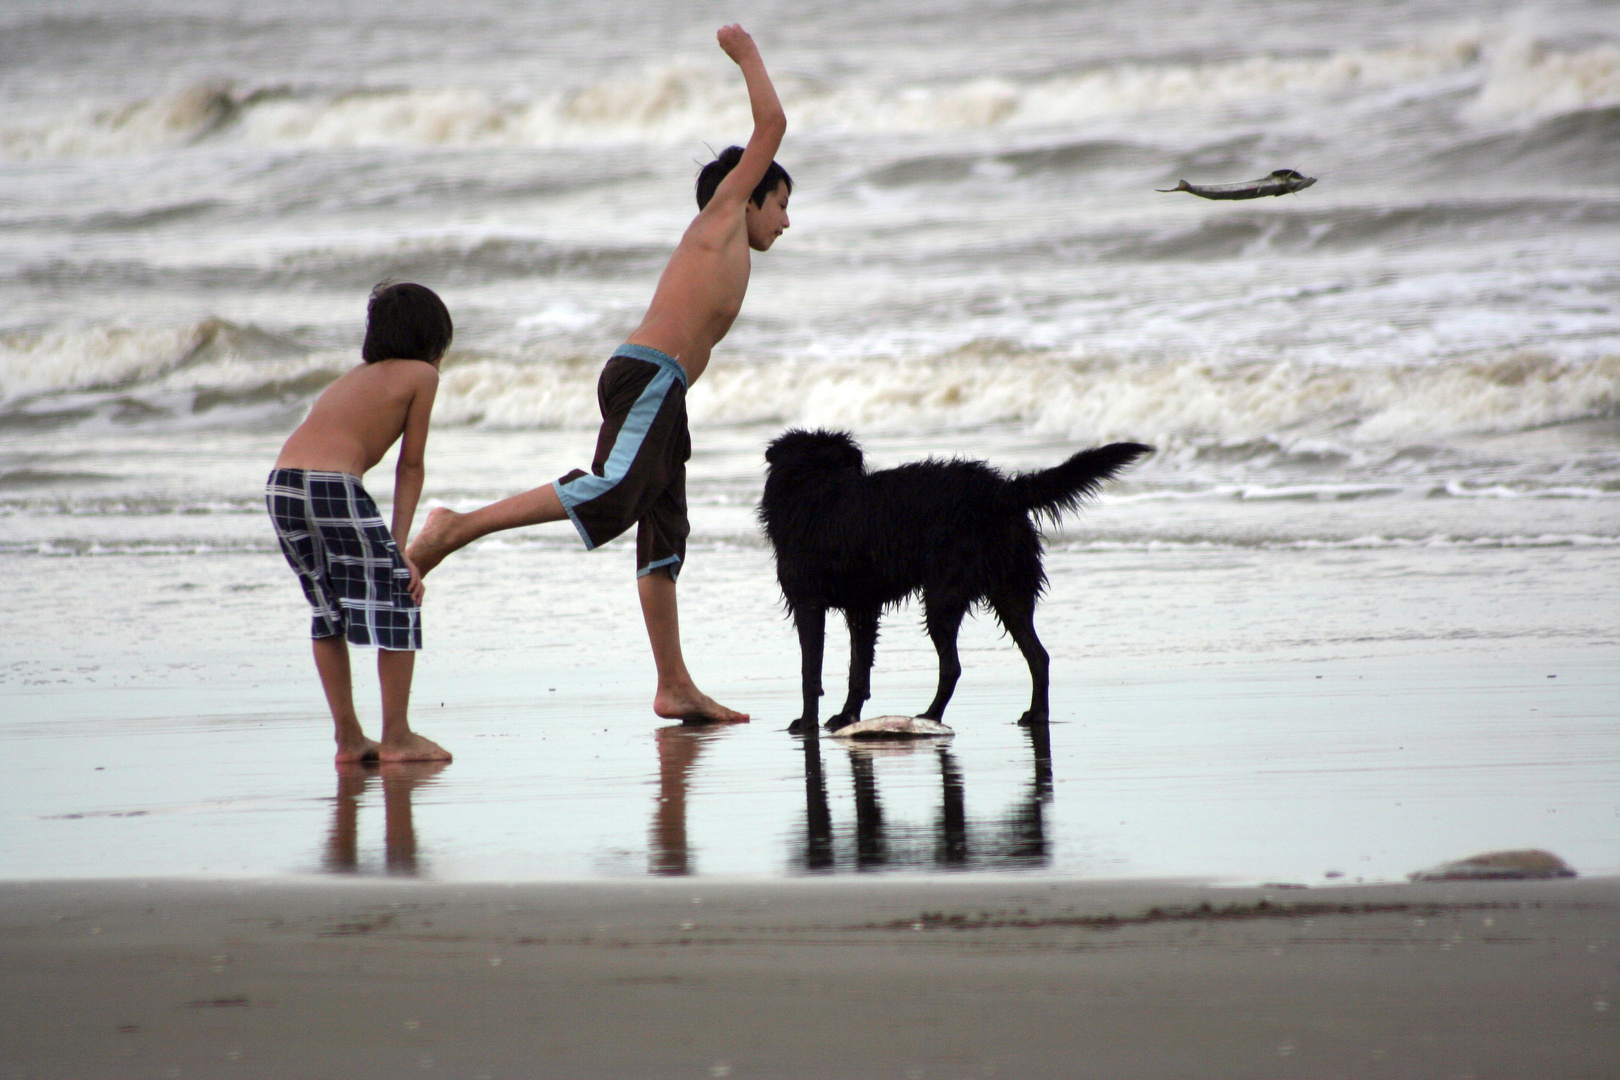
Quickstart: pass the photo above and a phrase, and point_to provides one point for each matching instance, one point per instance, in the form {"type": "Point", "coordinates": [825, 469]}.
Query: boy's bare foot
{"type": "Point", "coordinates": [436, 540]}
{"type": "Point", "coordinates": [411, 747]}
{"type": "Point", "coordinates": [356, 752]}
{"type": "Point", "coordinates": [692, 706]}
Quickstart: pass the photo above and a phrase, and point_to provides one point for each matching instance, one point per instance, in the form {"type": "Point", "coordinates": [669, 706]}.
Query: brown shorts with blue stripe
{"type": "Point", "coordinates": [638, 476]}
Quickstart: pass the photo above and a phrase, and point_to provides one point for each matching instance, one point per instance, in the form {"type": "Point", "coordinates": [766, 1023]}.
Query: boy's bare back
{"type": "Point", "coordinates": [703, 285]}
{"type": "Point", "coordinates": [361, 415]}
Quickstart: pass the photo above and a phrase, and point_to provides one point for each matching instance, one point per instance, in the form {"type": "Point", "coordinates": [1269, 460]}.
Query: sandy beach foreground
{"type": "Point", "coordinates": [811, 978]}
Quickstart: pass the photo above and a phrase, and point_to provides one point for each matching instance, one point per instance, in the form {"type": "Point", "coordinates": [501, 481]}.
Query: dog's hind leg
{"type": "Point", "coordinates": [1017, 614]}
{"type": "Point", "coordinates": [812, 626]}
{"type": "Point", "coordinates": [944, 619]}
{"type": "Point", "coordinates": [863, 632]}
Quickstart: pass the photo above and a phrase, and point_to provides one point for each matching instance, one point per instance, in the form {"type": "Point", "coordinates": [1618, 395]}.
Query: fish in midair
{"type": "Point", "coordinates": [1280, 182]}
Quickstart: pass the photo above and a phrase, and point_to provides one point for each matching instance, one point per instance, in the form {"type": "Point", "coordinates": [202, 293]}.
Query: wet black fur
{"type": "Point", "coordinates": [959, 532]}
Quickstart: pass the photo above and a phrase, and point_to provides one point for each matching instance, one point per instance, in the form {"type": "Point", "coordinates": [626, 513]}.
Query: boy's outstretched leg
{"type": "Point", "coordinates": [399, 742]}
{"type": "Point", "coordinates": [332, 662]}
{"type": "Point", "coordinates": [446, 531]}
{"type": "Point", "coordinates": [678, 698]}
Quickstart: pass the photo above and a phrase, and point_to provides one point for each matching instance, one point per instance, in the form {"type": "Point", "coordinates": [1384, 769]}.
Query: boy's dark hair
{"type": "Point", "coordinates": [717, 170]}
{"type": "Point", "coordinates": [406, 321]}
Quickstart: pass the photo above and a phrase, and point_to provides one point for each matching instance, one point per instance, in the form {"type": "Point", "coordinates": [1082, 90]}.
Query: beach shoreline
{"type": "Point", "coordinates": [813, 977]}
{"type": "Point", "coordinates": [1357, 616]}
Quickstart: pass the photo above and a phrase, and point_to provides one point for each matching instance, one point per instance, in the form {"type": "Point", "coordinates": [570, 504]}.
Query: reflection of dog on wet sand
{"type": "Point", "coordinates": [958, 532]}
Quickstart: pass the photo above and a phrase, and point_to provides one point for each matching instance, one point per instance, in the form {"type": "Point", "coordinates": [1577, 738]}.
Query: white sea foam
{"type": "Point", "coordinates": [82, 358]}
{"type": "Point", "coordinates": [676, 101]}
{"type": "Point", "coordinates": [504, 394]}
{"type": "Point", "coordinates": [208, 355]}
{"type": "Point", "coordinates": [88, 130]}
{"type": "Point", "coordinates": [1169, 401]}
{"type": "Point", "coordinates": [1526, 81]}
{"type": "Point", "coordinates": [1131, 88]}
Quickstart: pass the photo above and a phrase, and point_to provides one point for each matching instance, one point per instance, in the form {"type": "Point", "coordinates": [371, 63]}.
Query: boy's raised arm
{"type": "Point", "coordinates": [770, 122]}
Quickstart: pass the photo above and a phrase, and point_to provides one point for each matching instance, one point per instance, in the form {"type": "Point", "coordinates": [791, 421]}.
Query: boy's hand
{"type": "Point", "coordinates": [418, 587]}
{"type": "Point", "coordinates": [736, 42]}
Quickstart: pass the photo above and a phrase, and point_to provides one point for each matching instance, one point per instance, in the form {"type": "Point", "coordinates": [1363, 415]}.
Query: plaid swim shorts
{"type": "Point", "coordinates": [345, 558]}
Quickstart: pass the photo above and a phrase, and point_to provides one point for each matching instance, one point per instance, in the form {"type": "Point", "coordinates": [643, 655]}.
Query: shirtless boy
{"type": "Point", "coordinates": [349, 563]}
{"type": "Point", "coordinates": [638, 475]}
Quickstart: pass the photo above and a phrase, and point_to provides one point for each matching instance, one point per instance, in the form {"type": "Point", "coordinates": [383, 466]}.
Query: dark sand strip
{"type": "Point", "coordinates": [809, 978]}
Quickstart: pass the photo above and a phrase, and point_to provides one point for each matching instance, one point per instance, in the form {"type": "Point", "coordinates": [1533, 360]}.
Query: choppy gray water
{"type": "Point", "coordinates": [1412, 367]}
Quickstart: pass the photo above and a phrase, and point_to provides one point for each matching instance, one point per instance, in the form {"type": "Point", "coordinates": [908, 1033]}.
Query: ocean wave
{"type": "Point", "coordinates": [1170, 403]}
{"type": "Point", "coordinates": [446, 261]}
{"type": "Point", "coordinates": [1166, 402]}
{"type": "Point", "coordinates": [1359, 543]}
{"type": "Point", "coordinates": [1312, 408]}
{"type": "Point", "coordinates": [59, 499]}
{"type": "Point", "coordinates": [1078, 156]}
{"type": "Point", "coordinates": [1352, 491]}
{"type": "Point", "coordinates": [1526, 80]}
{"type": "Point", "coordinates": [98, 356]}
{"type": "Point", "coordinates": [137, 127]}
{"type": "Point", "coordinates": [34, 363]}
{"type": "Point", "coordinates": [68, 547]}
{"type": "Point", "coordinates": [672, 102]}
{"type": "Point", "coordinates": [34, 479]}
{"type": "Point", "coordinates": [1357, 227]}
{"type": "Point", "coordinates": [1578, 146]}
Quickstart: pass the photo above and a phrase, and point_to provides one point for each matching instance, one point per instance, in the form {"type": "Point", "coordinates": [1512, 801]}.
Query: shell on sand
{"type": "Point", "coordinates": [1526, 865]}
{"type": "Point", "coordinates": [893, 727]}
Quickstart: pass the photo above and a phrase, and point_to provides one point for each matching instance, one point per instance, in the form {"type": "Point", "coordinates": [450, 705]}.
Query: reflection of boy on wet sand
{"type": "Point", "coordinates": [678, 749]}
{"type": "Point", "coordinates": [400, 779]}
{"type": "Point", "coordinates": [639, 472]}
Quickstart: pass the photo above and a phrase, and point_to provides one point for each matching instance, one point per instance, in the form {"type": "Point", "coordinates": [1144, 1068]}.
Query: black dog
{"type": "Point", "coordinates": [959, 532]}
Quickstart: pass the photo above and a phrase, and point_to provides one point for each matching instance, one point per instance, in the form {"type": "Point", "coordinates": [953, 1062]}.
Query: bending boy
{"type": "Point", "coordinates": [638, 475]}
{"type": "Point", "coordinates": [349, 563]}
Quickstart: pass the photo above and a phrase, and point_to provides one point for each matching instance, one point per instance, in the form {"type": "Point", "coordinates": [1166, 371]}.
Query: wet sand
{"type": "Point", "coordinates": [1195, 733]}
{"type": "Point", "coordinates": [1299, 717]}
{"type": "Point", "coordinates": [1025, 977]}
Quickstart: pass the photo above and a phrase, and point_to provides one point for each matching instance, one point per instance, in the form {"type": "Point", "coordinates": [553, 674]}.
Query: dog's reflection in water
{"type": "Point", "coordinates": [1015, 839]}
{"type": "Point", "coordinates": [951, 841]}
{"type": "Point", "coordinates": [399, 781]}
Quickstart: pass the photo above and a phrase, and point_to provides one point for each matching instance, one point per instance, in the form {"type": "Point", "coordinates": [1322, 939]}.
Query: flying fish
{"type": "Point", "coordinates": [1280, 182]}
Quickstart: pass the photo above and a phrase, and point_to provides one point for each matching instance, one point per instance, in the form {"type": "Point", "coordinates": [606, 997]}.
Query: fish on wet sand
{"type": "Point", "coordinates": [894, 727]}
{"type": "Point", "coordinates": [1279, 182]}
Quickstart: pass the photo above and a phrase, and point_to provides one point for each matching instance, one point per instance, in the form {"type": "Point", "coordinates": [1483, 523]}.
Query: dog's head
{"type": "Point", "coordinates": [822, 451]}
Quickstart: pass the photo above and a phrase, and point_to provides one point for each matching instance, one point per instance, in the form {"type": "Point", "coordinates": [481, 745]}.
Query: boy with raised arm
{"type": "Point", "coordinates": [348, 561]}
{"type": "Point", "coordinates": [638, 475]}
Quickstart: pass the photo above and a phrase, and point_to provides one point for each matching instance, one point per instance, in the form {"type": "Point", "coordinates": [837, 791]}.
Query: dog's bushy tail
{"type": "Point", "coordinates": [1050, 492]}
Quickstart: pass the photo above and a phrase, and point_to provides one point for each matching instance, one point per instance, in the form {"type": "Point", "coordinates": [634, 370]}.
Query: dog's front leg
{"type": "Point", "coordinates": [863, 632]}
{"type": "Point", "coordinates": [812, 626]}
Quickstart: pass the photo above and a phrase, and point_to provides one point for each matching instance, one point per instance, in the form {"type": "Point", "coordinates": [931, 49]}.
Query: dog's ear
{"type": "Point", "coordinates": [781, 448]}
{"type": "Point", "coordinates": [773, 450]}
{"type": "Point", "coordinates": [842, 451]}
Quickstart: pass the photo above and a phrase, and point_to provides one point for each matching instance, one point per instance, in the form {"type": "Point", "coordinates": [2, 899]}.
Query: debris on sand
{"type": "Point", "coordinates": [1526, 865]}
